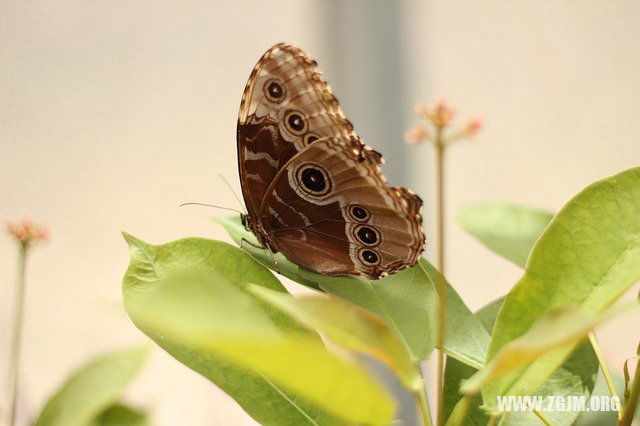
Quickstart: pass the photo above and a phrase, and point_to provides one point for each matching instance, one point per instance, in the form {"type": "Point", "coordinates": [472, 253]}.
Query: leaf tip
{"type": "Point", "coordinates": [128, 237]}
{"type": "Point", "coordinates": [133, 241]}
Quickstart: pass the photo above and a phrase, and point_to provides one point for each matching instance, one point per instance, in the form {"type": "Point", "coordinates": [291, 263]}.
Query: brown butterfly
{"type": "Point", "coordinates": [313, 190]}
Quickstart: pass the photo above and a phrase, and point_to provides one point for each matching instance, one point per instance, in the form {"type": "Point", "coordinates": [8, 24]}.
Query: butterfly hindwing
{"type": "Point", "coordinates": [331, 212]}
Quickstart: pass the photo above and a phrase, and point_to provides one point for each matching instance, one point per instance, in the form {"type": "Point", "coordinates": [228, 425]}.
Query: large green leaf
{"type": "Point", "coordinates": [507, 229]}
{"type": "Point", "coordinates": [588, 255]}
{"type": "Point", "coordinates": [92, 388]}
{"type": "Point", "coordinates": [574, 378]}
{"type": "Point", "coordinates": [351, 327]}
{"type": "Point", "coordinates": [215, 321]}
{"type": "Point", "coordinates": [406, 300]}
{"type": "Point", "coordinates": [231, 337]}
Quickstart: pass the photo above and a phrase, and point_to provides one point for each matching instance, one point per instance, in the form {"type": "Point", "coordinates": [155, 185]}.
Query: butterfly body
{"type": "Point", "coordinates": [313, 190]}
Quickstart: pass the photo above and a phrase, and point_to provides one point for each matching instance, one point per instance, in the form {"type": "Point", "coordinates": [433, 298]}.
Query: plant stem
{"type": "Point", "coordinates": [441, 285]}
{"type": "Point", "coordinates": [541, 416]}
{"type": "Point", "coordinates": [603, 365]}
{"type": "Point", "coordinates": [459, 412]}
{"type": "Point", "coordinates": [630, 404]}
{"type": "Point", "coordinates": [422, 402]}
{"type": "Point", "coordinates": [493, 420]}
{"type": "Point", "coordinates": [14, 362]}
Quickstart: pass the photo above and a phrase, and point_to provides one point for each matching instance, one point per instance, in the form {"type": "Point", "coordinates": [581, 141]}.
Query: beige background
{"type": "Point", "coordinates": [112, 113]}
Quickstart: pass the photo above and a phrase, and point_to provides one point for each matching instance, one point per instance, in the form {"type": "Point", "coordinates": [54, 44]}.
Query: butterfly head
{"type": "Point", "coordinates": [244, 219]}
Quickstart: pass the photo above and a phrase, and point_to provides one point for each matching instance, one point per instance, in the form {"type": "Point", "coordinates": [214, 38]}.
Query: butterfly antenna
{"type": "Point", "coordinates": [234, 192]}
{"type": "Point", "coordinates": [210, 205]}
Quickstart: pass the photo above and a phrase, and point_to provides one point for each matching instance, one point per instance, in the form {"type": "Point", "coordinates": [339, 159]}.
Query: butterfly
{"type": "Point", "coordinates": [313, 190]}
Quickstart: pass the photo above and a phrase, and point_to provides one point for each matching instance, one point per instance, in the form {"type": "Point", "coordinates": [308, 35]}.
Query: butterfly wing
{"type": "Point", "coordinates": [290, 123]}
{"type": "Point", "coordinates": [330, 211]}
{"type": "Point", "coordinates": [285, 107]}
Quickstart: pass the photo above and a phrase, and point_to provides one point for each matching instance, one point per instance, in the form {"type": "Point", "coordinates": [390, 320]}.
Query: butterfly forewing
{"type": "Point", "coordinates": [285, 106]}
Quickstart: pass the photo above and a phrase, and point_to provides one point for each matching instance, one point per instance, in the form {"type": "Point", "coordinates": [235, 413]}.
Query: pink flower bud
{"type": "Point", "coordinates": [473, 127]}
{"type": "Point", "coordinates": [441, 104]}
{"type": "Point", "coordinates": [415, 134]}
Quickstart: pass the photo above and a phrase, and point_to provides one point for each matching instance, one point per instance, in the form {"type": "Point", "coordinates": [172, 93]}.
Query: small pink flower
{"type": "Point", "coordinates": [415, 134]}
{"type": "Point", "coordinates": [442, 104]}
{"type": "Point", "coordinates": [441, 117]}
{"type": "Point", "coordinates": [473, 127]}
{"type": "Point", "coordinates": [26, 231]}
{"type": "Point", "coordinates": [444, 113]}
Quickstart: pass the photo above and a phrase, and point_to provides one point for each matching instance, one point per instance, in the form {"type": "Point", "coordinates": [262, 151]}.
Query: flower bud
{"type": "Point", "coordinates": [415, 134]}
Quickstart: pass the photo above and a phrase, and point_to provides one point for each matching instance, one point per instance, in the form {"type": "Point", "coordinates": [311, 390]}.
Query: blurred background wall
{"type": "Point", "coordinates": [112, 113]}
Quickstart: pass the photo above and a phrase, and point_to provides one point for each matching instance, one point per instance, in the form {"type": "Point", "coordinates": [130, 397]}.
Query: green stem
{"type": "Point", "coordinates": [541, 416]}
{"type": "Point", "coordinates": [630, 404]}
{"type": "Point", "coordinates": [422, 402]}
{"type": "Point", "coordinates": [493, 420]}
{"type": "Point", "coordinates": [603, 365]}
{"type": "Point", "coordinates": [441, 285]}
{"type": "Point", "coordinates": [459, 412]}
{"type": "Point", "coordinates": [14, 361]}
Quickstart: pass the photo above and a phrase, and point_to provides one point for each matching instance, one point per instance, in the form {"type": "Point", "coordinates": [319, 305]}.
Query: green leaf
{"type": "Point", "coordinates": [576, 377]}
{"type": "Point", "coordinates": [588, 255]}
{"type": "Point", "coordinates": [406, 301]}
{"type": "Point", "coordinates": [213, 319]}
{"type": "Point", "coordinates": [507, 229]}
{"type": "Point", "coordinates": [208, 321]}
{"type": "Point", "coordinates": [559, 329]}
{"type": "Point", "coordinates": [120, 414]}
{"type": "Point", "coordinates": [92, 388]}
{"type": "Point", "coordinates": [455, 372]}
{"type": "Point", "coordinates": [351, 327]}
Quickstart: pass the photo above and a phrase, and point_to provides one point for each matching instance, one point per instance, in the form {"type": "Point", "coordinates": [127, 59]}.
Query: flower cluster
{"type": "Point", "coordinates": [26, 232]}
{"type": "Point", "coordinates": [441, 117]}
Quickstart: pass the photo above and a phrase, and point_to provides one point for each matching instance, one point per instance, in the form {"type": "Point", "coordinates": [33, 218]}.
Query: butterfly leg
{"type": "Point", "coordinates": [244, 240]}
{"type": "Point", "coordinates": [273, 258]}
{"type": "Point", "coordinates": [275, 262]}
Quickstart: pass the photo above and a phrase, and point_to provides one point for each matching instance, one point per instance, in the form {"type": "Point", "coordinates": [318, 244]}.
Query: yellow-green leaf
{"type": "Point", "coordinates": [349, 326]}
{"type": "Point", "coordinates": [150, 264]}
{"type": "Point", "coordinates": [93, 388]}
{"type": "Point", "coordinates": [213, 324]}
{"type": "Point", "coordinates": [557, 329]}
